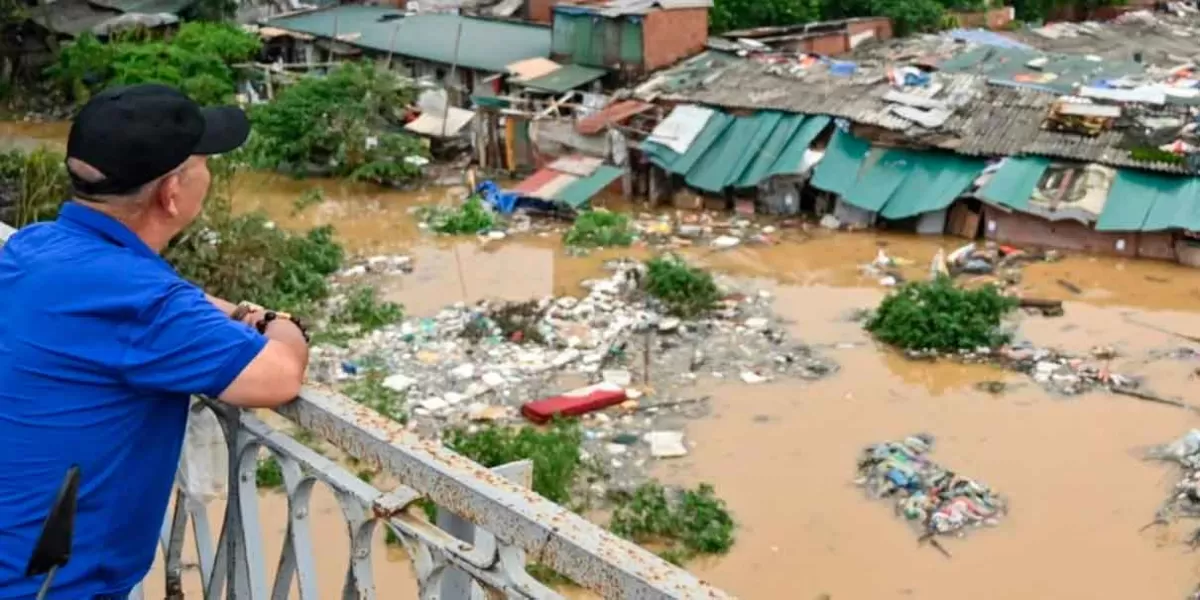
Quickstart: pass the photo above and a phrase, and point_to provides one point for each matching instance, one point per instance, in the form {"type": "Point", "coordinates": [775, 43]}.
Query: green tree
{"type": "Point", "coordinates": [197, 60]}
{"type": "Point", "coordinates": [728, 15]}
{"type": "Point", "coordinates": [339, 123]}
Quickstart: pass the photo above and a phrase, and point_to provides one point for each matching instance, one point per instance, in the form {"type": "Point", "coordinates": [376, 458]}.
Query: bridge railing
{"type": "Point", "coordinates": [489, 524]}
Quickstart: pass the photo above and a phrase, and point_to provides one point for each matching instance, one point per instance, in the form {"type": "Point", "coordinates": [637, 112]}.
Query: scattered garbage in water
{"type": "Point", "coordinates": [936, 500]}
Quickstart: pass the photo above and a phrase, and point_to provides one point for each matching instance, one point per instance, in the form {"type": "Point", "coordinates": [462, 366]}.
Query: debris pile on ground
{"type": "Point", "coordinates": [1184, 500]}
{"type": "Point", "coordinates": [986, 263]}
{"type": "Point", "coordinates": [934, 499]}
{"type": "Point", "coordinates": [387, 264]}
{"type": "Point", "coordinates": [484, 362]}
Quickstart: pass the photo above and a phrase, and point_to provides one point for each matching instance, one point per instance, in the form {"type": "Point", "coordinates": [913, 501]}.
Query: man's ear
{"type": "Point", "coordinates": [168, 195]}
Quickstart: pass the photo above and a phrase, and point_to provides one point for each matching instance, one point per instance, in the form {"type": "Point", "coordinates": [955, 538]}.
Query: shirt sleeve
{"type": "Point", "coordinates": [183, 344]}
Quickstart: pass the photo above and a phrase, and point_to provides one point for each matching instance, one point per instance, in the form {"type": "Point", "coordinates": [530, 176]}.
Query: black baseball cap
{"type": "Point", "coordinates": [136, 134]}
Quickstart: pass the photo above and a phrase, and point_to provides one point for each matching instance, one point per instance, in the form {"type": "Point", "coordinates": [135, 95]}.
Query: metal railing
{"type": "Point", "coordinates": [452, 559]}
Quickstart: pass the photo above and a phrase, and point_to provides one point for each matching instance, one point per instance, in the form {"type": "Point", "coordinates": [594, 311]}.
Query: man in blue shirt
{"type": "Point", "coordinates": [102, 343]}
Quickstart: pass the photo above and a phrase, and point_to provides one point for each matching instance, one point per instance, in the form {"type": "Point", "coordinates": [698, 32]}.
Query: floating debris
{"type": "Point", "coordinates": [934, 499]}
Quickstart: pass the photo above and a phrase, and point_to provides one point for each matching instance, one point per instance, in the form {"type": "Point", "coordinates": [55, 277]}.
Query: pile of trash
{"type": "Point", "coordinates": [510, 362]}
{"type": "Point", "coordinates": [934, 499]}
{"type": "Point", "coordinates": [989, 262]}
{"type": "Point", "coordinates": [1062, 373]}
{"type": "Point", "coordinates": [1185, 498]}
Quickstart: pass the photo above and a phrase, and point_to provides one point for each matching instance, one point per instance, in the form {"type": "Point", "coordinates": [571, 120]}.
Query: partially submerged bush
{"type": "Point", "coordinates": [938, 315]}
{"type": "Point", "coordinates": [339, 124]}
{"type": "Point", "coordinates": [554, 452]}
{"type": "Point", "coordinates": [600, 228]}
{"type": "Point", "coordinates": [688, 522]}
{"type": "Point", "coordinates": [364, 309]}
{"type": "Point", "coordinates": [471, 217]}
{"type": "Point", "coordinates": [686, 291]}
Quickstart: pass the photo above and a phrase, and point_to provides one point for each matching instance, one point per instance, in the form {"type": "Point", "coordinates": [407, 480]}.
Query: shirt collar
{"type": "Point", "coordinates": [94, 221]}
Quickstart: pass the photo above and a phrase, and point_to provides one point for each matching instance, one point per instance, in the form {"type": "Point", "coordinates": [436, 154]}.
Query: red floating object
{"type": "Point", "coordinates": [574, 403]}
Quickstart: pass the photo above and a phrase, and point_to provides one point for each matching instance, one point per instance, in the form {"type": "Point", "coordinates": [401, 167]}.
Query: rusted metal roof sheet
{"type": "Point", "coordinates": [615, 113]}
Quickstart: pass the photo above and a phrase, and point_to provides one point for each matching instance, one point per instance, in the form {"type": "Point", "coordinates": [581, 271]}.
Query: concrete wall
{"type": "Point", "coordinates": [1021, 229]}
{"type": "Point", "coordinates": [669, 36]}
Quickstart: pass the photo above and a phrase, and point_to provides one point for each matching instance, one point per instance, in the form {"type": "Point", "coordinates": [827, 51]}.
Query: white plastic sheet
{"type": "Point", "coordinates": [204, 465]}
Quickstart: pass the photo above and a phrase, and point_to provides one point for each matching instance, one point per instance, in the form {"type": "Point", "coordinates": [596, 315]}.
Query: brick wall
{"type": "Point", "coordinates": [1026, 230]}
{"type": "Point", "coordinates": [877, 27]}
{"type": "Point", "coordinates": [997, 18]}
{"type": "Point", "coordinates": [828, 44]}
{"type": "Point", "coordinates": [540, 11]}
{"type": "Point", "coordinates": [673, 35]}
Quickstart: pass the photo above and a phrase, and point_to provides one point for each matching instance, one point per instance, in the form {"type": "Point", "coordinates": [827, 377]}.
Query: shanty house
{"type": "Point", "coordinates": [422, 45]}
{"type": "Point", "coordinates": [633, 37]}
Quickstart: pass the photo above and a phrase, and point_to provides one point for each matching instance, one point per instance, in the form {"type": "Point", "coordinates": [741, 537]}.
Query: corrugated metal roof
{"type": "Point", "coordinates": [1139, 201]}
{"type": "Point", "coordinates": [741, 152]}
{"type": "Point", "coordinates": [532, 68]}
{"type": "Point", "coordinates": [563, 79]}
{"type": "Point", "coordinates": [839, 169]}
{"type": "Point", "coordinates": [173, 7]}
{"type": "Point", "coordinates": [485, 45]}
{"type": "Point", "coordinates": [617, 112]}
{"type": "Point", "coordinates": [70, 17]}
{"type": "Point", "coordinates": [433, 124]}
{"type": "Point", "coordinates": [682, 127]}
{"type": "Point", "coordinates": [1013, 183]}
{"type": "Point", "coordinates": [583, 189]}
{"type": "Point", "coordinates": [904, 183]}
{"type": "Point", "coordinates": [614, 8]}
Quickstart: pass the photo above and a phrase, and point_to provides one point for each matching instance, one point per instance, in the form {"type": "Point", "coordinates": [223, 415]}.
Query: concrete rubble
{"type": "Point", "coordinates": [481, 362]}
{"type": "Point", "coordinates": [936, 500]}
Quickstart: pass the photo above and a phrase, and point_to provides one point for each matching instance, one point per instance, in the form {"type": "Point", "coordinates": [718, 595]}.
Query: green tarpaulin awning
{"type": "Point", "coordinates": [579, 192]}
{"type": "Point", "coordinates": [1013, 183]}
{"type": "Point", "coordinates": [1142, 201]}
{"type": "Point", "coordinates": [904, 183]}
{"type": "Point", "coordinates": [838, 170]}
{"type": "Point", "coordinates": [564, 79]}
{"type": "Point", "coordinates": [741, 152]}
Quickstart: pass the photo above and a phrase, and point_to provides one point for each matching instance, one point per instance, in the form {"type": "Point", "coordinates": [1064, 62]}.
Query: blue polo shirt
{"type": "Point", "coordinates": [101, 345]}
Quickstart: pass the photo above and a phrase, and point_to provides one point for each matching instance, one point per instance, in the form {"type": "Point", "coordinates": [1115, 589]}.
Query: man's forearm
{"type": "Point", "coordinates": [288, 334]}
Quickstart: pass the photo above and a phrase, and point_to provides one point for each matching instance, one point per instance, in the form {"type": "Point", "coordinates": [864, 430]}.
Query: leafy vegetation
{"type": "Point", "coordinates": [370, 392]}
{"type": "Point", "coordinates": [685, 291]}
{"type": "Point", "coordinates": [310, 198]}
{"type": "Point", "coordinates": [339, 124]}
{"type": "Point", "coordinates": [687, 522]}
{"type": "Point", "coordinates": [554, 452]}
{"type": "Point", "coordinates": [32, 185]}
{"type": "Point", "coordinates": [246, 257]}
{"type": "Point", "coordinates": [470, 217]}
{"type": "Point", "coordinates": [938, 315]}
{"type": "Point", "coordinates": [197, 60]}
{"type": "Point", "coordinates": [269, 473]}
{"type": "Point", "coordinates": [727, 15]}
{"type": "Point", "coordinates": [600, 228]}
{"type": "Point", "coordinates": [364, 309]}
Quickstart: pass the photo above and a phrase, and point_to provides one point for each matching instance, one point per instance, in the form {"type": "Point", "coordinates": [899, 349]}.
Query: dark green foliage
{"type": "Point", "coordinates": [554, 451]}
{"type": "Point", "coordinates": [269, 473]}
{"type": "Point", "coordinates": [688, 522]}
{"type": "Point", "coordinates": [470, 217]}
{"type": "Point", "coordinates": [363, 308]}
{"type": "Point", "coordinates": [727, 15]}
{"type": "Point", "coordinates": [338, 124]}
{"type": "Point", "coordinates": [685, 291]}
{"type": "Point", "coordinates": [600, 228]}
{"type": "Point", "coordinates": [196, 59]}
{"type": "Point", "coordinates": [32, 186]}
{"type": "Point", "coordinates": [939, 315]}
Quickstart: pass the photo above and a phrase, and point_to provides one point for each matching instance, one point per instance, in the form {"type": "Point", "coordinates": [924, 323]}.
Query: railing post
{"type": "Point", "coordinates": [456, 583]}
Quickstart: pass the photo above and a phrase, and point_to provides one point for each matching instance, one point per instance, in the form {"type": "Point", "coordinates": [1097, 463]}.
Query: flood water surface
{"type": "Point", "coordinates": [783, 454]}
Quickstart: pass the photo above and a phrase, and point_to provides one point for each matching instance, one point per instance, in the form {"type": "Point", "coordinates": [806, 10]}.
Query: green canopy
{"type": "Point", "coordinates": [1013, 183]}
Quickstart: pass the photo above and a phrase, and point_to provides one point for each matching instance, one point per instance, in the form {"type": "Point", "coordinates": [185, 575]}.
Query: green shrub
{"type": "Point", "coordinates": [197, 60]}
{"type": "Point", "coordinates": [471, 217]}
{"type": "Point", "coordinates": [689, 523]}
{"type": "Point", "coordinates": [363, 308]}
{"type": "Point", "coordinates": [32, 186]}
{"type": "Point", "coordinates": [554, 452]}
{"type": "Point", "coordinates": [600, 228]}
{"type": "Point", "coordinates": [941, 316]}
{"type": "Point", "coordinates": [269, 473]}
{"type": "Point", "coordinates": [339, 124]}
{"type": "Point", "coordinates": [685, 291]}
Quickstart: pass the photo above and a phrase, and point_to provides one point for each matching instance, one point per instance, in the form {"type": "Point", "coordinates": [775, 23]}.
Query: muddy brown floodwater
{"type": "Point", "coordinates": [783, 454]}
